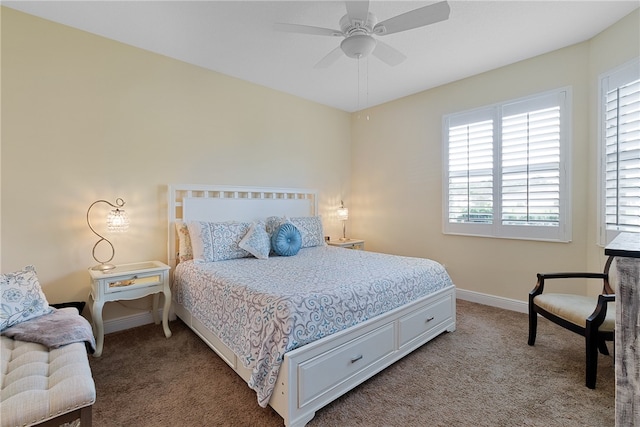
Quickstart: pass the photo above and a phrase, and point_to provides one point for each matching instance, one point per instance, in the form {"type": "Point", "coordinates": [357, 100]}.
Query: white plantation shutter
{"type": "Point", "coordinates": [506, 170]}
{"type": "Point", "coordinates": [621, 145]}
{"type": "Point", "coordinates": [471, 172]}
{"type": "Point", "coordinates": [531, 163]}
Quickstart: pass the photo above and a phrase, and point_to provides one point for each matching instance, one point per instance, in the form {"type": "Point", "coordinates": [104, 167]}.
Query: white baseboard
{"type": "Point", "coordinates": [493, 301]}
{"type": "Point", "coordinates": [132, 321]}
{"type": "Point", "coordinates": [139, 319]}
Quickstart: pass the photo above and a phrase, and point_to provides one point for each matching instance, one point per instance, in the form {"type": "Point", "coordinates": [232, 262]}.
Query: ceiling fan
{"type": "Point", "coordinates": [359, 26]}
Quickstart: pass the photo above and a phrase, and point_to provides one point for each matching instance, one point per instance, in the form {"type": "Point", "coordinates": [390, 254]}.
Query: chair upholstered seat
{"type": "Point", "coordinates": [576, 309]}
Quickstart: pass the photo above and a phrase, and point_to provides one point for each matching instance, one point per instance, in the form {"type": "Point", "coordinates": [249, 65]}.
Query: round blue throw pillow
{"type": "Point", "coordinates": [287, 240]}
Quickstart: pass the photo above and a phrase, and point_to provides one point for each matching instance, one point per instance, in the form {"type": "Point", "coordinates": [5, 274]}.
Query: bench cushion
{"type": "Point", "coordinates": [39, 384]}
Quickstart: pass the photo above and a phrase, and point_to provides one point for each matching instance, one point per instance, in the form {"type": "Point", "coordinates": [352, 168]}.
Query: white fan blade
{"type": "Point", "coordinates": [413, 19]}
{"type": "Point", "coordinates": [306, 29]}
{"type": "Point", "coordinates": [388, 54]}
{"type": "Point", "coordinates": [330, 58]}
{"type": "Point", "coordinates": [358, 10]}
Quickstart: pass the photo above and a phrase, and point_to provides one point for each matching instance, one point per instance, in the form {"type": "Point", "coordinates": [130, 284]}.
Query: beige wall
{"type": "Point", "coordinates": [397, 169]}
{"type": "Point", "coordinates": [86, 118]}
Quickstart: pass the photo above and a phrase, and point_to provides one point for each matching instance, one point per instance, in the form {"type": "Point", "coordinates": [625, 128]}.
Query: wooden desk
{"type": "Point", "coordinates": [626, 249]}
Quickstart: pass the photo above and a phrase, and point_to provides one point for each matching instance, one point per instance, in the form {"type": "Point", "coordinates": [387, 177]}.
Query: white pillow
{"type": "Point", "coordinates": [21, 297]}
{"type": "Point", "coordinates": [217, 241]}
{"type": "Point", "coordinates": [257, 241]}
{"type": "Point", "coordinates": [310, 228]}
{"type": "Point", "coordinates": [185, 251]}
{"type": "Point", "coordinates": [272, 224]}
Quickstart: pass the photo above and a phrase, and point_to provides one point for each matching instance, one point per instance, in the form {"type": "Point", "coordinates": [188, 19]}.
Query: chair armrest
{"type": "Point", "coordinates": [572, 275]}
{"type": "Point", "coordinates": [607, 298]}
{"type": "Point", "coordinates": [599, 314]}
{"type": "Point", "coordinates": [539, 288]}
{"type": "Point", "coordinates": [607, 291]}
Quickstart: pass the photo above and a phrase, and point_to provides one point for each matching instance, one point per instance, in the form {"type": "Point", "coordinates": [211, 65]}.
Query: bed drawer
{"type": "Point", "coordinates": [329, 370]}
{"type": "Point", "coordinates": [423, 320]}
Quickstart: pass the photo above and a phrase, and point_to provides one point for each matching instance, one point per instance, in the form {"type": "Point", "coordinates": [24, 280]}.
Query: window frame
{"type": "Point", "coordinates": [622, 74]}
{"type": "Point", "coordinates": [561, 233]}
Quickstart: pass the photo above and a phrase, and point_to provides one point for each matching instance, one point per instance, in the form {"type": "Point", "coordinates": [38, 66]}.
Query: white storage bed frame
{"type": "Point", "coordinates": [314, 375]}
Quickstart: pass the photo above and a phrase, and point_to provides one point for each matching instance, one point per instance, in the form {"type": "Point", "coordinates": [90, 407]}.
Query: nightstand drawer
{"type": "Point", "coordinates": [127, 283]}
{"type": "Point", "coordinates": [348, 243]}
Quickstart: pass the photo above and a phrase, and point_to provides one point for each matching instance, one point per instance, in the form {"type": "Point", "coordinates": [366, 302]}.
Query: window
{"type": "Point", "coordinates": [506, 169]}
{"type": "Point", "coordinates": [620, 151]}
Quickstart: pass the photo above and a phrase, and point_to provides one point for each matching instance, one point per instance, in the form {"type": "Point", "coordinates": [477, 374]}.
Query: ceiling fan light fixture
{"type": "Point", "coordinates": [358, 26]}
{"type": "Point", "coordinates": [358, 46]}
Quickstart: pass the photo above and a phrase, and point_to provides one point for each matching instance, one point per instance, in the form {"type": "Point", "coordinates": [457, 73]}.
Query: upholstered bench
{"type": "Point", "coordinates": [44, 387]}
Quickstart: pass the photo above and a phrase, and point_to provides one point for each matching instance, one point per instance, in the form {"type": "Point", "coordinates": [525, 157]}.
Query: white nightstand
{"type": "Point", "coordinates": [125, 282]}
{"type": "Point", "coordinates": [348, 243]}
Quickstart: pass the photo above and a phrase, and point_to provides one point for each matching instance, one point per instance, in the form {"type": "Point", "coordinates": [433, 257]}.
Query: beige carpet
{"type": "Point", "coordinates": [483, 374]}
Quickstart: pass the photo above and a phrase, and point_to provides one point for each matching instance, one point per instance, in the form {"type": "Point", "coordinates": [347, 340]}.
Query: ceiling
{"type": "Point", "coordinates": [237, 38]}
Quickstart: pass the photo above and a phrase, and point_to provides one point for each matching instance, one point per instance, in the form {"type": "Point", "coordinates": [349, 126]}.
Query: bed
{"type": "Point", "coordinates": [301, 330]}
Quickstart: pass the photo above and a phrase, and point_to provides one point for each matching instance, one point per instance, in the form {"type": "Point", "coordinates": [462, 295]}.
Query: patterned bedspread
{"type": "Point", "coordinates": [263, 308]}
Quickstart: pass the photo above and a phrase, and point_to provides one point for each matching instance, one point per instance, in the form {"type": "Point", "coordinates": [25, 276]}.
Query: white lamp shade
{"type": "Point", "coordinates": [117, 221]}
{"type": "Point", "coordinates": [343, 214]}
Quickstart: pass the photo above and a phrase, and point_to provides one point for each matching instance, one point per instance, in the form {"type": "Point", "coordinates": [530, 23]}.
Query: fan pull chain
{"type": "Point", "coordinates": [367, 95]}
{"type": "Point", "coordinates": [358, 77]}
{"type": "Point", "coordinates": [366, 87]}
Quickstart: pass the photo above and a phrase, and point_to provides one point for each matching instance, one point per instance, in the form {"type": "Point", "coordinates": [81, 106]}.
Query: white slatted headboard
{"type": "Point", "coordinates": [222, 203]}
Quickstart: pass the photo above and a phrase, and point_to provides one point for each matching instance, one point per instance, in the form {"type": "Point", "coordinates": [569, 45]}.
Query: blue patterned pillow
{"type": "Point", "coordinates": [21, 297]}
{"type": "Point", "coordinates": [287, 240]}
{"type": "Point", "coordinates": [217, 241]}
{"type": "Point", "coordinates": [256, 241]}
{"type": "Point", "coordinates": [311, 230]}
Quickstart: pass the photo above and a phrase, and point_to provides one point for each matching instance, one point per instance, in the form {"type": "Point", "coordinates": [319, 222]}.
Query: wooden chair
{"type": "Point", "coordinates": [591, 317]}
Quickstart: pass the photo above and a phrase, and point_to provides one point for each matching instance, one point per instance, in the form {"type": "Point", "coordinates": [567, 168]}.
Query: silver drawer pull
{"type": "Point", "coordinates": [429, 319]}
{"type": "Point", "coordinates": [355, 359]}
